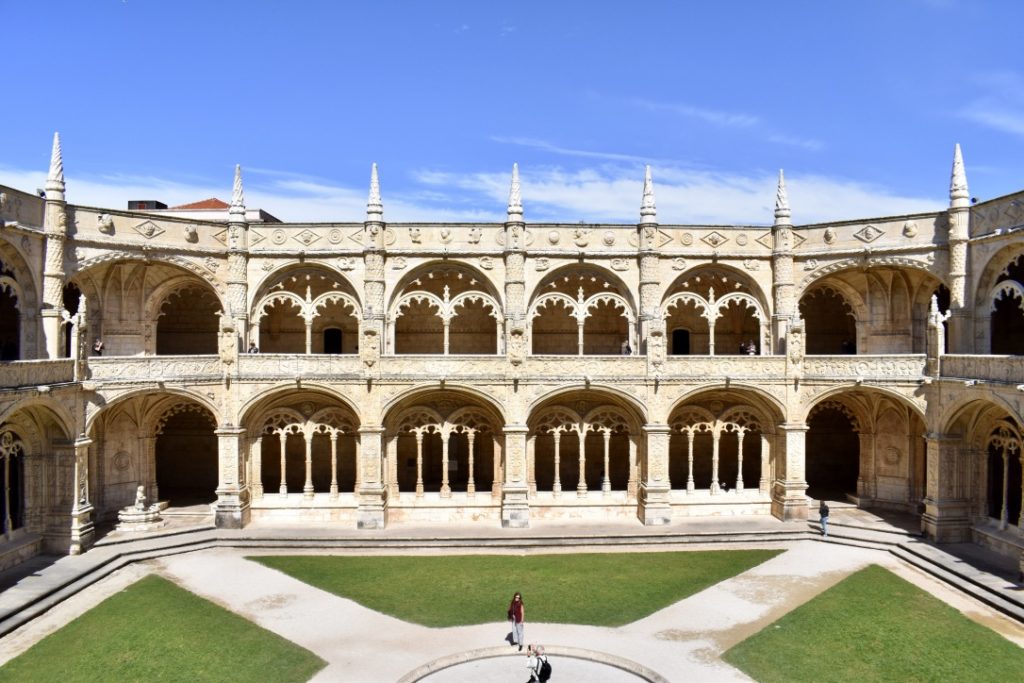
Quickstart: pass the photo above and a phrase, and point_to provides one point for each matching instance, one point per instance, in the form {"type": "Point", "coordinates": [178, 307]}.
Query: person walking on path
{"type": "Point", "coordinates": [516, 615]}
{"type": "Point", "coordinates": [823, 514]}
{"type": "Point", "coordinates": [535, 661]}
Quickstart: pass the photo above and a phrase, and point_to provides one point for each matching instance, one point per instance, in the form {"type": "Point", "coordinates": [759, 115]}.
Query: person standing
{"type": "Point", "coordinates": [516, 615]}
{"type": "Point", "coordinates": [532, 664]}
{"type": "Point", "coordinates": [823, 514]}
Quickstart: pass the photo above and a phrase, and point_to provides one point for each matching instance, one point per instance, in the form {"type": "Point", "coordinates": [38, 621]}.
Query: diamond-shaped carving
{"type": "Point", "coordinates": [221, 236]}
{"type": "Point", "coordinates": [765, 240]}
{"type": "Point", "coordinates": [868, 233]}
{"type": "Point", "coordinates": [714, 239]}
{"type": "Point", "coordinates": [798, 239]}
{"type": "Point", "coordinates": [255, 237]}
{"type": "Point", "coordinates": [149, 229]}
{"type": "Point", "coordinates": [307, 237]}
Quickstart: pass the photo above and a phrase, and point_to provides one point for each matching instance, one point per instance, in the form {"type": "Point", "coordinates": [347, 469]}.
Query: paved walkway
{"type": "Point", "coordinates": [682, 642]}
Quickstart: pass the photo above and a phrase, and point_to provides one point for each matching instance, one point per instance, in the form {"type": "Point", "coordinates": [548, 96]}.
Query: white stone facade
{"type": "Point", "coordinates": [508, 373]}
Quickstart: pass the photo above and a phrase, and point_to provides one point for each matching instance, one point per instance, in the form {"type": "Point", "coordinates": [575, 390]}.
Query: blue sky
{"type": "Point", "coordinates": [860, 102]}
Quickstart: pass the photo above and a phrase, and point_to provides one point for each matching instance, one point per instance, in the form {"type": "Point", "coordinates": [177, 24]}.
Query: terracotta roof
{"type": "Point", "coordinates": [211, 203]}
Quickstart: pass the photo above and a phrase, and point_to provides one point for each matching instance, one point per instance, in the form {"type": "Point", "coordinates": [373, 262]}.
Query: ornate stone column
{"type": "Point", "coordinates": [515, 507]}
{"type": "Point", "coordinates": [690, 486]}
{"type": "Point", "coordinates": [783, 289]}
{"type": "Point", "coordinates": [606, 481]}
{"type": "Point", "coordinates": [419, 464]}
{"type": "Point", "coordinates": [739, 460]}
{"type": "Point", "coordinates": [581, 486]}
{"type": "Point", "coordinates": [470, 483]}
{"type": "Point", "coordinates": [514, 239]}
{"type": "Point", "coordinates": [334, 465]}
{"type": "Point", "coordinates": [238, 263]}
{"type": "Point", "coordinates": [946, 517]}
{"type": "Point", "coordinates": [232, 508]}
{"type": "Point", "coordinates": [446, 489]}
{"type": "Point", "coordinates": [556, 487]}
{"type": "Point", "coordinates": [372, 499]}
{"type": "Point", "coordinates": [958, 216]}
{"type": "Point", "coordinates": [55, 227]}
{"type": "Point", "coordinates": [83, 532]}
{"type": "Point", "coordinates": [654, 506]}
{"type": "Point", "coordinates": [648, 256]}
{"type": "Point", "coordinates": [762, 484]}
{"type": "Point", "coordinates": [371, 329]}
{"type": "Point", "coordinates": [866, 482]}
{"type": "Point", "coordinates": [256, 458]}
{"type": "Point", "coordinates": [789, 499]}
{"type": "Point", "coordinates": [307, 487]}
{"type": "Point", "coordinates": [716, 437]}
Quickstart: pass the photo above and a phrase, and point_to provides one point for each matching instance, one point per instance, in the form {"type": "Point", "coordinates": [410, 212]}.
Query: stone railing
{"type": "Point", "coordinates": [33, 373]}
{"type": "Point", "coordinates": [866, 367]}
{"type": "Point", "coordinates": [155, 368]}
{"type": "Point", "coordinates": [992, 368]}
{"type": "Point", "coordinates": [289, 365]}
{"type": "Point", "coordinates": [733, 367]}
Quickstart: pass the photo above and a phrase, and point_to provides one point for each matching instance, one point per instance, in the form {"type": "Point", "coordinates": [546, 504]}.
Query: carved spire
{"type": "Point", "coordinates": [55, 180]}
{"type": "Point", "coordinates": [374, 205]}
{"type": "Point", "coordinates": [237, 210]}
{"type": "Point", "coordinates": [648, 212]}
{"type": "Point", "coordinates": [959, 196]}
{"type": "Point", "coordinates": [782, 213]}
{"type": "Point", "coordinates": [515, 199]}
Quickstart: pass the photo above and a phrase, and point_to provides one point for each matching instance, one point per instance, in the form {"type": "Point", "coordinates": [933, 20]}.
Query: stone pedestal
{"type": "Point", "coordinates": [83, 531]}
{"type": "Point", "coordinates": [372, 511]}
{"type": "Point", "coordinates": [515, 506]}
{"type": "Point", "coordinates": [653, 506]}
{"type": "Point", "coordinates": [145, 519]}
{"type": "Point", "coordinates": [946, 521]}
{"type": "Point", "coordinates": [232, 507]}
{"type": "Point", "coordinates": [789, 492]}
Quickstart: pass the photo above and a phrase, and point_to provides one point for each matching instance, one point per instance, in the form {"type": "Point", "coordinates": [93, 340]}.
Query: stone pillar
{"type": "Point", "coordinates": [232, 508]}
{"type": "Point", "coordinates": [650, 281]}
{"type": "Point", "coordinates": [690, 484]}
{"type": "Point", "coordinates": [371, 513]}
{"type": "Point", "coordinates": [419, 464]}
{"type": "Point", "coordinates": [654, 506]}
{"type": "Point", "coordinates": [958, 217]}
{"type": "Point", "coordinates": [716, 437]}
{"type": "Point", "coordinates": [238, 263]}
{"type": "Point", "coordinates": [470, 482]}
{"type": "Point", "coordinates": [556, 487]}
{"type": "Point", "coordinates": [307, 486]}
{"type": "Point", "coordinates": [334, 465]}
{"type": "Point", "coordinates": [946, 517]}
{"type": "Point", "coordinates": [83, 533]}
{"type": "Point", "coordinates": [446, 489]}
{"type": "Point", "coordinates": [762, 484]}
{"type": "Point", "coordinates": [789, 498]}
{"type": "Point", "coordinates": [783, 289]}
{"type": "Point", "coordinates": [515, 507]}
{"type": "Point", "coordinates": [55, 227]}
{"type": "Point", "coordinates": [256, 458]}
{"type": "Point", "coordinates": [581, 485]}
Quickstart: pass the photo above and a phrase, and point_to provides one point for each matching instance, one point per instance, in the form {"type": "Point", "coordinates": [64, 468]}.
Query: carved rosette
{"type": "Point", "coordinates": [369, 345]}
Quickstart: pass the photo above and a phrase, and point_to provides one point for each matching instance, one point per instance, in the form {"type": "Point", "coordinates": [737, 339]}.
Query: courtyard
{"type": "Point", "coordinates": [686, 639]}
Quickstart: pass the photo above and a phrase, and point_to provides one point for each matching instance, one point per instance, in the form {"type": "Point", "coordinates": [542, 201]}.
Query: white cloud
{"type": "Point", "coordinates": [719, 118]}
{"type": "Point", "coordinates": [607, 193]}
{"type": "Point", "coordinates": [1002, 105]}
{"type": "Point", "coordinates": [567, 151]}
{"type": "Point", "coordinates": [803, 143]}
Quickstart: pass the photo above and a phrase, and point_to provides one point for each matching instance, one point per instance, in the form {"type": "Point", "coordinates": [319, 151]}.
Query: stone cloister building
{"type": "Point", "coordinates": [507, 373]}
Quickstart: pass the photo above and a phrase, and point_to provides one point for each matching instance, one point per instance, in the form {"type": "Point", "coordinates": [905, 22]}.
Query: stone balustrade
{"type": "Point", "coordinates": [733, 367]}
{"type": "Point", "coordinates": [908, 366]}
{"type": "Point", "coordinates": [36, 373]}
{"type": "Point", "coordinates": [991, 368]}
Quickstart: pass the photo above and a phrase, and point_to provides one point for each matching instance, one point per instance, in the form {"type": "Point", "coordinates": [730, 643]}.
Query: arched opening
{"type": "Point", "coordinates": [12, 481]}
{"type": "Point", "coordinates": [680, 342]}
{"type": "Point", "coordinates": [832, 453]}
{"type": "Point", "coordinates": [188, 323]}
{"type": "Point", "coordinates": [721, 309]}
{"type": "Point", "coordinates": [555, 331]}
{"type": "Point", "coordinates": [10, 318]}
{"type": "Point", "coordinates": [419, 329]}
{"type": "Point", "coordinates": [829, 322]}
{"type": "Point", "coordinates": [472, 329]}
{"type": "Point", "coordinates": [72, 295]}
{"type": "Point", "coordinates": [606, 329]}
{"type": "Point", "coordinates": [332, 340]}
{"type": "Point", "coordinates": [1004, 492]}
{"type": "Point", "coordinates": [186, 456]}
{"type": "Point", "coordinates": [1008, 311]}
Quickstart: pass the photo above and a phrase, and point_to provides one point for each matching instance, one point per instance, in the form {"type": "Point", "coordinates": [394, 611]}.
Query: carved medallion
{"type": "Point", "coordinates": [714, 239]}
{"type": "Point", "coordinates": [307, 237]}
{"type": "Point", "coordinates": [609, 238]}
{"type": "Point", "coordinates": [868, 233]}
{"type": "Point", "coordinates": [149, 229]}
{"type": "Point", "coordinates": [554, 236]}
{"type": "Point", "coordinates": [686, 238]}
{"type": "Point", "coordinates": [678, 263]}
{"type": "Point", "coordinates": [830, 236]}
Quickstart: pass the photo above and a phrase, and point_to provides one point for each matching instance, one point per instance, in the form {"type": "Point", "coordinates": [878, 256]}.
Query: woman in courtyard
{"type": "Point", "coordinates": [516, 615]}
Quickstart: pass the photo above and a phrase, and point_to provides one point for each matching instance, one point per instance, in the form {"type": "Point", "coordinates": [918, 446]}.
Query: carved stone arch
{"type": "Point", "coordinates": [744, 299]}
{"type": "Point", "coordinates": [418, 394]}
{"type": "Point", "coordinates": [853, 302]}
{"type": "Point", "coordinates": [699, 302]}
{"type": "Point", "coordinates": [1010, 289]}
{"type": "Point", "coordinates": [995, 270]}
{"type": "Point", "coordinates": [167, 394]}
{"type": "Point", "coordinates": [892, 262]}
{"type": "Point", "coordinates": [756, 396]}
{"type": "Point", "coordinates": [1006, 434]}
{"type": "Point", "coordinates": [11, 286]}
{"type": "Point", "coordinates": [612, 298]}
{"type": "Point", "coordinates": [973, 409]}
{"type": "Point", "coordinates": [148, 257]}
{"type": "Point", "coordinates": [268, 400]}
{"type": "Point", "coordinates": [694, 417]}
{"type": "Point", "coordinates": [417, 417]}
{"type": "Point", "coordinates": [32, 407]}
{"type": "Point", "coordinates": [914, 407]}
{"type": "Point", "coordinates": [411, 298]}
{"type": "Point", "coordinates": [615, 283]}
{"type": "Point", "coordinates": [613, 395]}
{"type": "Point", "coordinates": [12, 258]}
{"type": "Point", "coordinates": [748, 283]}
{"type": "Point", "coordinates": [334, 297]}
{"type": "Point", "coordinates": [286, 420]}
{"type": "Point", "coordinates": [153, 308]}
{"type": "Point", "coordinates": [473, 417]}
{"type": "Point", "coordinates": [556, 418]}
{"type": "Point", "coordinates": [489, 287]}
{"type": "Point", "coordinates": [289, 298]}
{"type": "Point", "coordinates": [180, 407]}
{"type": "Point", "coordinates": [336, 418]}
{"type": "Point", "coordinates": [747, 417]}
{"type": "Point", "coordinates": [264, 284]}
{"type": "Point", "coordinates": [554, 298]}
{"type": "Point", "coordinates": [609, 417]}
{"type": "Point", "coordinates": [837, 405]}
{"type": "Point", "coordinates": [486, 300]}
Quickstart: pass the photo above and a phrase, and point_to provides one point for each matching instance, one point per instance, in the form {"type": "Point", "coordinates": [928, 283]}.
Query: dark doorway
{"type": "Point", "coordinates": [833, 455]}
{"type": "Point", "coordinates": [71, 296]}
{"type": "Point", "coordinates": [680, 343]}
{"type": "Point", "coordinates": [332, 340]}
{"type": "Point", "coordinates": [186, 459]}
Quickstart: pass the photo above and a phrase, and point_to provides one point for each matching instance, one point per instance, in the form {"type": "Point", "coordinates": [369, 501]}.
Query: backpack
{"type": "Point", "coordinates": [545, 670]}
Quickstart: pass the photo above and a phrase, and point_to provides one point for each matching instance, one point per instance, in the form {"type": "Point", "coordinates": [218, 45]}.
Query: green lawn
{"type": "Point", "coordinates": [601, 589]}
{"type": "Point", "coordinates": [874, 626]}
{"type": "Point", "coordinates": [156, 631]}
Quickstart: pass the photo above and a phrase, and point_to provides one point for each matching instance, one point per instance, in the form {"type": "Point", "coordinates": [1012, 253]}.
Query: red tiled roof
{"type": "Point", "coordinates": [211, 203]}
